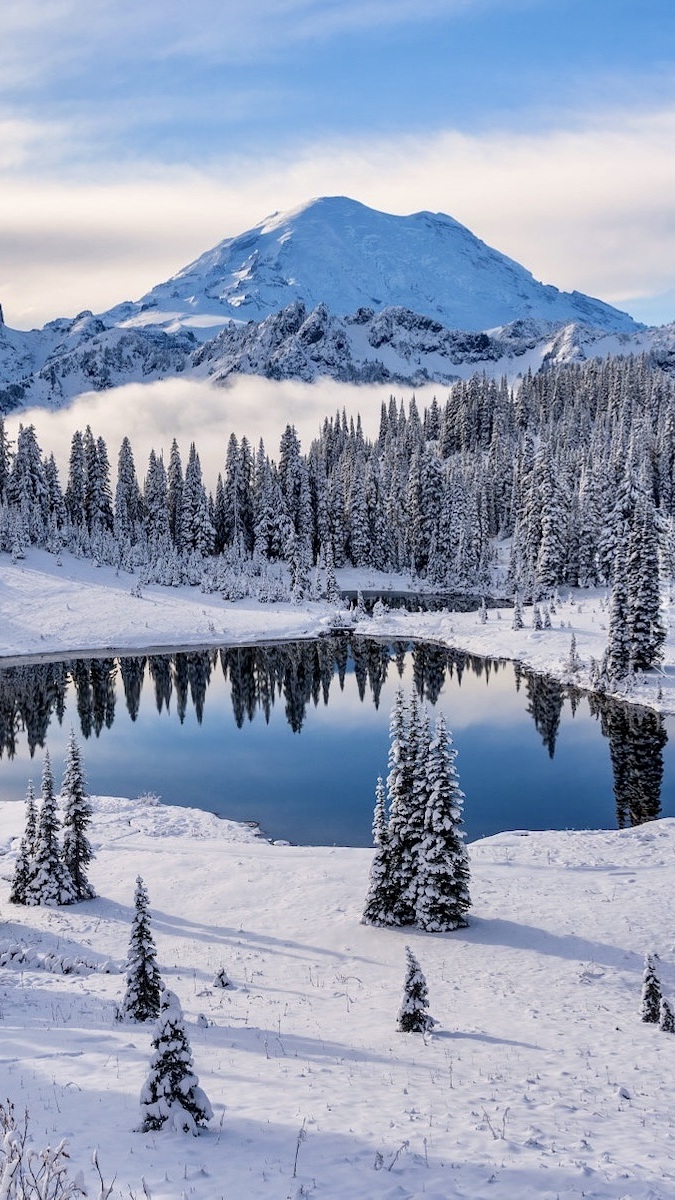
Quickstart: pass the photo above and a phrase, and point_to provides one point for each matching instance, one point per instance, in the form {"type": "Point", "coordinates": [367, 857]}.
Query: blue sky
{"type": "Point", "coordinates": [132, 137]}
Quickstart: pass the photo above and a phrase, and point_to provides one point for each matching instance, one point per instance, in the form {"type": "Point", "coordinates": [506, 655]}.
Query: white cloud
{"type": "Point", "coordinates": [151, 415]}
{"type": "Point", "coordinates": [588, 207]}
{"type": "Point", "coordinates": [22, 139]}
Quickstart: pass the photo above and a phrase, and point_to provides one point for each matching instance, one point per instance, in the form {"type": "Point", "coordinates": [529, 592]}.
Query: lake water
{"type": "Point", "coordinates": [294, 736]}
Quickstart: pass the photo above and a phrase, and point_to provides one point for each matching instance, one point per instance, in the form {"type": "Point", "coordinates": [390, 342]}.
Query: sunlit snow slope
{"type": "Point", "coordinates": [340, 253]}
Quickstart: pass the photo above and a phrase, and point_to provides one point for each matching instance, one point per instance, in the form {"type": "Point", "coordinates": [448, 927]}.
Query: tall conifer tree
{"type": "Point", "coordinates": [143, 990]}
{"type": "Point", "coordinates": [77, 814]}
{"type": "Point", "coordinates": [25, 863]}
{"type": "Point", "coordinates": [443, 868]}
{"type": "Point", "coordinates": [50, 884]}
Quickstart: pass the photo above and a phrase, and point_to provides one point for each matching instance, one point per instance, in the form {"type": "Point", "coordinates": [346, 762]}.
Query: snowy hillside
{"type": "Point", "coordinates": [539, 1081]}
{"type": "Point", "coordinates": [337, 252]}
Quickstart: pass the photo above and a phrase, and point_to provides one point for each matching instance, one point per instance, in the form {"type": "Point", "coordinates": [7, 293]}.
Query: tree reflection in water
{"type": "Point", "coordinates": [300, 674]}
{"type": "Point", "coordinates": [636, 736]}
{"type": "Point", "coordinates": [637, 739]}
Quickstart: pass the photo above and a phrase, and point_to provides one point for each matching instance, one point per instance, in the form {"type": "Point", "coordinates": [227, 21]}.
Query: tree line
{"type": "Point", "coordinates": [565, 466]}
{"type": "Point", "coordinates": [575, 470]}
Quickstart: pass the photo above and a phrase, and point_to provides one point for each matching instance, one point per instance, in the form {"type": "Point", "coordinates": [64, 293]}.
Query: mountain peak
{"type": "Point", "coordinates": [335, 250]}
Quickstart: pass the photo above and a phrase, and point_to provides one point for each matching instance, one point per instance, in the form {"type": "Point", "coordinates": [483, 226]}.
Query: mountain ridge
{"type": "Point", "coordinates": [394, 346]}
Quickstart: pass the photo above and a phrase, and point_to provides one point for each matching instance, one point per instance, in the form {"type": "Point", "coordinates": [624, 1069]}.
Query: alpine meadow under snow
{"type": "Point", "coordinates": [201, 1013]}
{"type": "Point", "coordinates": [538, 1080]}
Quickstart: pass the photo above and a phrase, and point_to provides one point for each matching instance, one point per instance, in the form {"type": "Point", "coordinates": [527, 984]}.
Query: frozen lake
{"type": "Point", "coordinates": [293, 736]}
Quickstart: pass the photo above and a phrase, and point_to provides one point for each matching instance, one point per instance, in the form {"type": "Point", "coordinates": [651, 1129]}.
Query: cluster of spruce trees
{"type": "Point", "coordinates": [570, 466]}
{"type": "Point", "coordinates": [420, 870]}
{"type": "Point", "coordinates": [50, 870]}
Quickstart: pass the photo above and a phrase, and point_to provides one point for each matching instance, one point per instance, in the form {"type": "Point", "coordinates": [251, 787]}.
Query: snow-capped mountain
{"type": "Point", "coordinates": [337, 252]}
{"type": "Point", "coordinates": [337, 290]}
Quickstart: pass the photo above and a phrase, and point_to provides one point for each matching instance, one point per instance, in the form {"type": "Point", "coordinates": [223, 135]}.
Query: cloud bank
{"type": "Point", "coordinates": [151, 415]}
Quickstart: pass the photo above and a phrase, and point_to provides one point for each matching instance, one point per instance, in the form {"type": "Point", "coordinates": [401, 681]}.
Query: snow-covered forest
{"type": "Point", "coordinates": [573, 473]}
{"type": "Point", "coordinates": [574, 452]}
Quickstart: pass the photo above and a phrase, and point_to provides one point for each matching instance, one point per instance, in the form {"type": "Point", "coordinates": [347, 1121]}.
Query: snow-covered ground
{"type": "Point", "coordinates": [540, 1081]}
{"type": "Point", "coordinates": [46, 608]}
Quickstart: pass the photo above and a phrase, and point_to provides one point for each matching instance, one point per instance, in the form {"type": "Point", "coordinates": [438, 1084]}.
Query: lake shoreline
{"type": "Point", "coordinates": [48, 607]}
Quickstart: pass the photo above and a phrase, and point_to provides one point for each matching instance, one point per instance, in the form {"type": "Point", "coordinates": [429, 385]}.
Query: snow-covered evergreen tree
{"type": "Point", "coordinates": [650, 1002]}
{"type": "Point", "coordinates": [360, 542]}
{"type": "Point", "coordinates": [25, 863]}
{"type": "Point", "coordinates": [645, 628]}
{"type": "Point", "coordinates": [380, 814]}
{"type": "Point", "coordinates": [443, 899]}
{"type": "Point", "coordinates": [55, 501]}
{"type": "Point", "coordinates": [517, 620]}
{"type": "Point", "coordinates": [104, 508]}
{"type": "Point", "coordinates": [27, 485]}
{"type": "Point", "coordinates": [405, 823]}
{"type": "Point", "coordinates": [196, 530]}
{"type": "Point", "coordinates": [618, 637]}
{"type": "Point", "coordinates": [381, 897]}
{"type": "Point", "coordinates": [5, 460]}
{"type": "Point", "coordinates": [413, 1016]}
{"type": "Point", "coordinates": [75, 489]}
{"type": "Point", "coordinates": [419, 742]}
{"type": "Point", "coordinates": [77, 814]}
{"type": "Point", "coordinates": [171, 1095]}
{"type": "Point", "coordinates": [573, 663]}
{"type": "Point", "coordinates": [175, 493]}
{"type": "Point", "coordinates": [290, 476]}
{"type": "Point", "coordinates": [666, 1016]}
{"type": "Point", "coordinates": [143, 990]}
{"type": "Point", "coordinates": [237, 496]}
{"type": "Point", "coordinates": [96, 485]}
{"type": "Point", "coordinates": [51, 884]}
{"type": "Point", "coordinates": [332, 590]}
{"type": "Point", "coordinates": [128, 501]}
{"type": "Point", "coordinates": [155, 500]}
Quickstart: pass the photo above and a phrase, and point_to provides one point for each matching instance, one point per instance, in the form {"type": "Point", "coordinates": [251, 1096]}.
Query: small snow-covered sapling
{"type": "Point", "coordinates": [171, 1094]}
{"type": "Point", "coordinates": [221, 979]}
{"type": "Point", "coordinates": [412, 1015]}
{"type": "Point", "coordinates": [666, 1016]}
{"type": "Point", "coordinates": [651, 993]}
